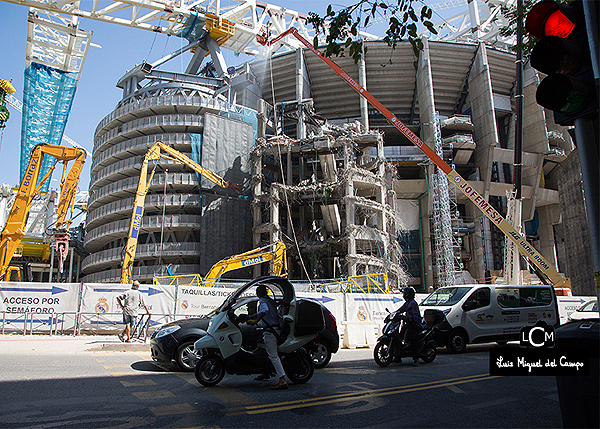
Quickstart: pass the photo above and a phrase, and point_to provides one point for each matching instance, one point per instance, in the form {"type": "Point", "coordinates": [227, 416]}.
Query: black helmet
{"type": "Point", "coordinates": [408, 293]}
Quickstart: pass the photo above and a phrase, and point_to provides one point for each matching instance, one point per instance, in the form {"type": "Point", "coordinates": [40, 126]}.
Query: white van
{"type": "Point", "coordinates": [489, 313]}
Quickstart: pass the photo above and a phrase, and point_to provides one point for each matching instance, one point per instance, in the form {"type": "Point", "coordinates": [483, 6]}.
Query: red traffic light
{"type": "Point", "coordinates": [548, 18]}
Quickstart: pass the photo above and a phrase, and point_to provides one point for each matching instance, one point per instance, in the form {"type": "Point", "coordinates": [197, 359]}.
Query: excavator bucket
{"type": "Point", "coordinates": [62, 247]}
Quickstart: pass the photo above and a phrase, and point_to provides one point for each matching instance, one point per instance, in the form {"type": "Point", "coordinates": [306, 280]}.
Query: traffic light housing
{"type": "Point", "coordinates": [563, 54]}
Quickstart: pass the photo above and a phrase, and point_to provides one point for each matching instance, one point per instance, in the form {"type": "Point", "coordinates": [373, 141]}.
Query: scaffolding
{"type": "Point", "coordinates": [442, 220]}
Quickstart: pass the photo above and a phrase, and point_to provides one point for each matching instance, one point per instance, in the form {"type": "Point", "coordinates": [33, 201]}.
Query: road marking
{"type": "Point", "coordinates": [456, 389]}
{"type": "Point", "coordinates": [116, 366]}
{"type": "Point", "coordinates": [154, 394]}
{"type": "Point", "coordinates": [303, 403]}
{"type": "Point", "coordinates": [225, 394]}
{"type": "Point", "coordinates": [121, 374]}
{"type": "Point", "coordinates": [137, 383]}
{"type": "Point", "coordinates": [492, 403]}
{"type": "Point", "coordinates": [169, 410]}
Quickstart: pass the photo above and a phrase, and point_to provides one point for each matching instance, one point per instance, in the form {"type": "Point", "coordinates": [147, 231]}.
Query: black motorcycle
{"type": "Point", "coordinates": [391, 347]}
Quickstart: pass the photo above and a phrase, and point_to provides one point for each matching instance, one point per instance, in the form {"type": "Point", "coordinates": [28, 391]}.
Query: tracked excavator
{"type": "Point", "coordinates": [16, 222]}
{"type": "Point", "coordinates": [157, 151]}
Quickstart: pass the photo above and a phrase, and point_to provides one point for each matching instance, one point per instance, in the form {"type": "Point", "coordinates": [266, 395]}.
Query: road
{"type": "Point", "coordinates": [49, 384]}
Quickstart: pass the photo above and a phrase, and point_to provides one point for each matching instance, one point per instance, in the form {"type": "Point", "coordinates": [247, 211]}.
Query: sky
{"type": "Point", "coordinates": [97, 95]}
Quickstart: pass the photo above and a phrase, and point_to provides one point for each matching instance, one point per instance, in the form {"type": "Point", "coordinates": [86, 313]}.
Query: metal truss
{"type": "Point", "coordinates": [56, 41]}
{"type": "Point", "coordinates": [480, 21]}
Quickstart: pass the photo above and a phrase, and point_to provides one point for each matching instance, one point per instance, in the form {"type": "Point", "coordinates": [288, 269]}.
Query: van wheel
{"type": "Point", "coordinates": [457, 342]}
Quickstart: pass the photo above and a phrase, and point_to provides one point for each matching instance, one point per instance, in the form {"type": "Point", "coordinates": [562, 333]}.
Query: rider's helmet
{"type": "Point", "coordinates": [408, 293]}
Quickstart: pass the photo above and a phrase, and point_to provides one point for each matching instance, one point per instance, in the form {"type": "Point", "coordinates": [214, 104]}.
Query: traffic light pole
{"type": "Point", "coordinates": [586, 136]}
{"type": "Point", "coordinates": [586, 131]}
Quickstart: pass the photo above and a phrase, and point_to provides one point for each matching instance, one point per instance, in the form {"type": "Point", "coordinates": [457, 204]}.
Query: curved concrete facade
{"type": "Point", "coordinates": [170, 233]}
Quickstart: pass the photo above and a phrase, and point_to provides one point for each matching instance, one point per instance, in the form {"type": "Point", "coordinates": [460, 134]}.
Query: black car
{"type": "Point", "coordinates": [174, 341]}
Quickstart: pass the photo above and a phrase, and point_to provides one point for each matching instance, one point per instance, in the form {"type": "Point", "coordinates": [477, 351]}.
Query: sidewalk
{"type": "Point", "coordinates": [68, 343]}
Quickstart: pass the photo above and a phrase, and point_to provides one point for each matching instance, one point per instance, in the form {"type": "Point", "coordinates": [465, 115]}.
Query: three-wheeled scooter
{"type": "Point", "coordinates": [225, 349]}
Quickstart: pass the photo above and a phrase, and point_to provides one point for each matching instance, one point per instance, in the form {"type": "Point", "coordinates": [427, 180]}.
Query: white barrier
{"type": "Point", "coordinates": [38, 304]}
{"type": "Point", "coordinates": [44, 307]}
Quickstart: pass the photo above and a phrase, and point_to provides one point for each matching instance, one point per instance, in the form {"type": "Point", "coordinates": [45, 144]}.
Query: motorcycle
{"type": "Point", "coordinates": [227, 348]}
{"type": "Point", "coordinates": [391, 347]}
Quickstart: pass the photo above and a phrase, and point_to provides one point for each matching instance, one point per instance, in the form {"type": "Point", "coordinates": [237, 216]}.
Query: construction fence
{"type": "Point", "coordinates": [92, 308]}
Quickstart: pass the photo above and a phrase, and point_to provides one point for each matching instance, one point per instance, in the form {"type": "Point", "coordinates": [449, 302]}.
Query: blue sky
{"type": "Point", "coordinates": [97, 94]}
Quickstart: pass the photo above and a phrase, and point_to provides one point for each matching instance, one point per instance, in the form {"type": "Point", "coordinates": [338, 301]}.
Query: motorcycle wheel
{"type": "Point", "coordinates": [210, 370]}
{"type": "Point", "coordinates": [383, 353]}
{"type": "Point", "coordinates": [299, 369]}
{"type": "Point", "coordinates": [429, 354]}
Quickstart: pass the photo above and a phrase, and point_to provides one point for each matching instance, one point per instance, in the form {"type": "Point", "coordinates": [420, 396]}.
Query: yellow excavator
{"type": "Point", "coordinates": [157, 151]}
{"type": "Point", "coordinates": [252, 257]}
{"type": "Point", "coordinates": [275, 252]}
{"type": "Point", "coordinates": [16, 222]}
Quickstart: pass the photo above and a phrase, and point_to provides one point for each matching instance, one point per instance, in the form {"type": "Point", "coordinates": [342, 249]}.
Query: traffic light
{"type": "Point", "coordinates": [563, 54]}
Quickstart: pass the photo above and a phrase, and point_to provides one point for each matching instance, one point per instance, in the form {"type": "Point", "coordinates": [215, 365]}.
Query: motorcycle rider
{"type": "Point", "coordinates": [412, 321]}
{"type": "Point", "coordinates": [269, 319]}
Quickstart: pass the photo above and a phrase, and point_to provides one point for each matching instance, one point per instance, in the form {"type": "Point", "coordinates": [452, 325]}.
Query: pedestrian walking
{"type": "Point", "coordinates": [130, 302]}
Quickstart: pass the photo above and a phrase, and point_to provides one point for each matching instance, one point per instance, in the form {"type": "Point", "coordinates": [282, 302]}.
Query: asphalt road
{"type": "Point", "coordinates": [57, 383]}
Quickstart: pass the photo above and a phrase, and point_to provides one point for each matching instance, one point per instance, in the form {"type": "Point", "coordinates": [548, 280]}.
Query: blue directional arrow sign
{"type": "Point", "coordinates": [394, 299]}
{"type": "Point", "coordinates": [150, 291]}
{"type": "Point", "coordinates": [323, 299]}
{"type": "Point", "coordinates": [101, 289]}
{"type": "Point", "coordinates": [54, 290]}
{"type": "Point", "coordinates": [45, 321]}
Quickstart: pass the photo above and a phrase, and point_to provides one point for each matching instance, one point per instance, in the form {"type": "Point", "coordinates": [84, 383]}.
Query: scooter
{"type": "Point", "coordinates": [391, 347]}
{"type": "Point", "coordinates": [224, 349]}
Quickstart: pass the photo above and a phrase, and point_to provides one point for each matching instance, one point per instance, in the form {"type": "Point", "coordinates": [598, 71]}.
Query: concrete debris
{"type": "Point", "coordinates": [331, 197]}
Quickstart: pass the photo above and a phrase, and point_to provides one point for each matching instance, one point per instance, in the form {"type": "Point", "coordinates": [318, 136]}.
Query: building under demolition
{"type": "Point", "coordinates": [324, 172]}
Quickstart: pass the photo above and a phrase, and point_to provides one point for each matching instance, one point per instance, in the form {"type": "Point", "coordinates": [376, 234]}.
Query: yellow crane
{"type": "Point", "coordinates": [14, 229]}
{"type": "Point", "coordinates": [157, 151]}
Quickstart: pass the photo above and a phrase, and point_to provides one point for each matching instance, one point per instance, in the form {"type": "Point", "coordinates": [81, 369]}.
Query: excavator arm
{"type": "Point", "coordinates": [157, 151]}
{"type": "Point", "coordinates": [14, 230]}
{"type": "Point", "coordinates": [252, 257]}
{"type": "Point", "coordinates": [548, 272]}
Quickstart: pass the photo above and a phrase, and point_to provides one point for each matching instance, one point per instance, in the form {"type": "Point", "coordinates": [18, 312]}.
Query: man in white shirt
{"type": "Point", "coordinates": [130, 302]}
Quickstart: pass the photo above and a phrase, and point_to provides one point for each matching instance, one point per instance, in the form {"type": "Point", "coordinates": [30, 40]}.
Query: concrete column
{"type": "Point", "coordinates": [300, 72]}
{"type": "Point", "coordinates": [476, 266]}
{"type": "Point", "coordinates": [548, 216]}
{"type": "Point", "coordinates": [425, 95]}
{"type": "Point", "coordinates": [483, 116]}
{"type": "Point", "coordinates": [486, 138]}
{"type": "Point", "coordinates": [362, 81]}
{"type": "Point", "coordinates": [350, 227]}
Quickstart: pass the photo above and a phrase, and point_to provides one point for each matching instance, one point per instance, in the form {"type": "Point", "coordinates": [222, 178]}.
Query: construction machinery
{"type": "Point", "coordinates": [275, 252]}
{"type": "Point", "coordinates": [157, 151]}
{"type": "Point", "coordinates": [14, 229]}
{"type": "Point", "coordinates": [546, 271]}
{"type": "Point", "coordinates": [252, 257]}
{"type": "Point", "coordinates": [6, 88]}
